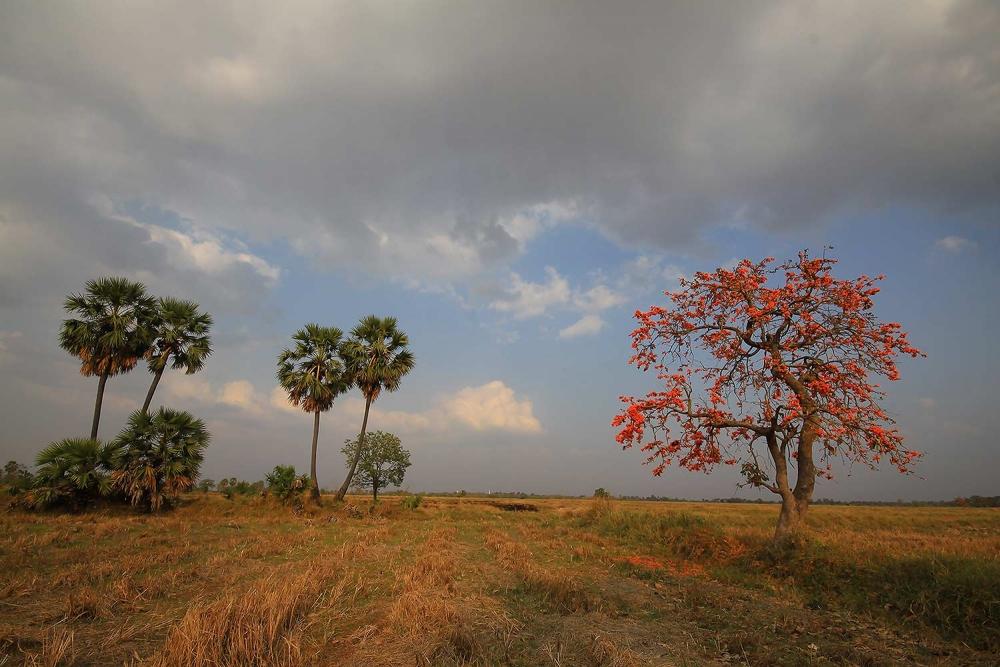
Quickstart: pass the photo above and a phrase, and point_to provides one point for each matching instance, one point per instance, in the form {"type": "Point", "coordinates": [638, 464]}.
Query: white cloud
{"type": "Point", "coordinates": [207, 253]}
{"type": "Point", "coordinates": [597, 298]}
{"type": "Point", "coordinates": [492, 406]}
{"type": "Point", "coordinates": [955, 244]}
{"type": "Point", "coordinates": [239, 394]}
{"type": "Point", "coordinates": [524, 299]}
{"type": "Point", "coordinates": [279, 400]}
{"type": "Point", "coordinates": [588, 325]}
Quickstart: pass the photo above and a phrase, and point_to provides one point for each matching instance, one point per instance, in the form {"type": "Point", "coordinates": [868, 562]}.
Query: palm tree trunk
{"type": "Point", "coordinates": [152, 390]}
{"type": "Point", "coordinates": [312, 470]}
{"type": "Point", "coordinates": [97, 406]}
{"type": "Point", "coordinates": [357, 453]}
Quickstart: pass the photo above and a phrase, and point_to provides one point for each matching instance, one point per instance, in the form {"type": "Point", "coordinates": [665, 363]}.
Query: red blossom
{"type": "Point", "coordinates": [779, 355]}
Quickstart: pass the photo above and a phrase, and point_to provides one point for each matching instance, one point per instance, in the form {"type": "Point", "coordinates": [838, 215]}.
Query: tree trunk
{"type": "Point", "coordinates": [357, 453]}
{"type": "Point", "coordinates": [152, 390]}
{"type": "Point", "coordinates": [374, 490]}
{"type": "Point", "coordinates": [312, 470]}
{"type": "Point", "coordinates": [97, 406]}
{"type": "Point", "coordinates": [789, 520]}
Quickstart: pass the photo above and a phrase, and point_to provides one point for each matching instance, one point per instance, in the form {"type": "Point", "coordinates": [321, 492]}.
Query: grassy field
{"type": "Point", "coordinates": [486, 582]}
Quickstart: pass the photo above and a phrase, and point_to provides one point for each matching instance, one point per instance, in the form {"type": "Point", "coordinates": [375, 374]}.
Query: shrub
{"type": "Point", "coordinates": [284, 484]}
{"type": "Point", "coordinates": [71, 472]}
{"type": "Point", "coordinates": [158, 455]}
{"type": "Point", "coordinates": [239, 487]}
{"type": "Point", "coordinates": [411, 502]}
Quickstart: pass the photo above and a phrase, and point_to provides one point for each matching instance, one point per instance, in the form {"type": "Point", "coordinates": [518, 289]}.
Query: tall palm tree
{"type": "Point", "coordinates": [112, 330]}
{"type": "Point", "coordinates": [158, 455]}
{"type": "Point", "coordinates": [377, 359]}
{"type": "Point", "coordinates": [181, 339]}
{"type": "Point", "coordinates": [313, 375]}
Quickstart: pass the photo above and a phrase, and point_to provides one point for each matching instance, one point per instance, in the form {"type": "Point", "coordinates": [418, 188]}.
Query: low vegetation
{"type": "Point", "coordinates": [247, 581]}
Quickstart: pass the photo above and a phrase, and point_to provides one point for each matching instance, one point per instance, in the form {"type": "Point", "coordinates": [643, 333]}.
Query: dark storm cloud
{"type": "Point", "coordinates": [398, 135]}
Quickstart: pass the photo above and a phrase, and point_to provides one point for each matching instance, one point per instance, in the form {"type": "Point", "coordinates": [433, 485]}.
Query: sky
{"type": "Point", "coordinates": [511, 180]}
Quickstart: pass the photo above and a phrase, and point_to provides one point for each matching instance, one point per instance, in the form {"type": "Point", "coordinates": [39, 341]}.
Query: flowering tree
{"type": "Point", "coordinates": [757, 368]}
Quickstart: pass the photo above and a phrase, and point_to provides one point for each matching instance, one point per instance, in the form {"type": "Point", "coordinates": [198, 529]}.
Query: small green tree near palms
{"type": "Point", "coordinates": [377, 358]}
{"type": "Point", "coordinates": [71, 471]}
{"type": "Point", "coordinates": [313, 375]}
{"type": "Point", "coordinates": [285, 485]}
{"type": "Point", "coordinates": [382, 461]}
{"type": "Point", "coordinates": [181, 339]}
{"type": "Point", "coordinates": [158, 455]}
{"type": "Point", "coordinates": [112, 330]}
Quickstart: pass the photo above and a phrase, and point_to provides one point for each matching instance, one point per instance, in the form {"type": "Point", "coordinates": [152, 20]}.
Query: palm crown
{"type": "Point", "coordinates": [182, 337]}
{"type": "Point", "coordinates": [311, 372]}
{"type": "Point", "coordinates": [158, 454]}
{"type": "Point", "coordinates": [113, 328]}
{"type": "Point", "coordinates": [377, 355]}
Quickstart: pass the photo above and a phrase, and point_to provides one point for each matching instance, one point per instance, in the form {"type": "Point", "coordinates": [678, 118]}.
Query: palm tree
{"type": "Point", "coordinates": [181, 334]}
{"type": "Point", "coordinates": [71, 470]}
{"type": "Point", "coordinates": [158, 455]}
{"type": "Point", "coordinates": [313, 375]}
{"type": "Point", "coordinates": [377, 359]}
{"type": "Point", "coordinates": [112, 332]}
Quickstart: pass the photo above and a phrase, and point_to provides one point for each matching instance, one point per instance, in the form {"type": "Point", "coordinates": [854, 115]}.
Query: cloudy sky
{"type": "Point", "coordinates": [511, 180]}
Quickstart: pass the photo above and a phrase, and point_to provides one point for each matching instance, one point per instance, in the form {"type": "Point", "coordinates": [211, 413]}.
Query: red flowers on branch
{"type": "Point", "coordinates": [767, 362]}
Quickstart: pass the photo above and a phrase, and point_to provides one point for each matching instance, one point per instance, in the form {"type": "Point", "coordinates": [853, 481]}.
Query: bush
{"type": "Point", "coordinates": [70, 472]}
{"type": "Point", "coordinates": [411, 502]}
{"type": "Point", "coordinates": [16, 478]}
{"type": "Point", "coordinates": [158, 455]}
{"type": "Point", "coordinates": [285, 485]}
{"type": "Point", "coordinates": [239, 487]}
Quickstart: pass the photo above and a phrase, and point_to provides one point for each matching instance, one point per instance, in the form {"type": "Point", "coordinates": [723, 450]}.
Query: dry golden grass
{"type": "Point", "coordinates": [463, 582]}
{"type": "Point", "coordinates": [261, 625]}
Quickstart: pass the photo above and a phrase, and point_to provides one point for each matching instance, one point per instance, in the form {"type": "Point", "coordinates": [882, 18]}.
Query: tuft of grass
{"type": "Point", "coordinates": [259, 626]}
{"type": "Point", "coordinates": [57, 649]}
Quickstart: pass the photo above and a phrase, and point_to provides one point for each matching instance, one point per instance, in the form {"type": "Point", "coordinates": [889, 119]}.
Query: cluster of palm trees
{"type": "Point", "coordinates": [117, 323]}
{"type": "Point", "coordinates": [114, 324]}
{"type": "Point", "coordinates": [323, 365]}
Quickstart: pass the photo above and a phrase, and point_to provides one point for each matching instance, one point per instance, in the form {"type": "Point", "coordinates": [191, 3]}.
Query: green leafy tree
{"type": "Point", "coordinates": [377, 357]}
{"type": "Point", "coordinates": [313, 375]}
{"type": "Point", "coordinates": [72, 472]}
{"type": "Point", "coordinates": [181, 340]}
{"type": "Point", "coordinates": [382, 461]}
{"type": "Point", "coordinates": [206, 485]}
{"type": "Point", "coordinates": [111, 331]}
{"type": "Point", "coordinates": [158, 455]}
{"type": "Point", "coordinates": [285, 485]}
{"type": "Point", "coordinates": [16, 478]}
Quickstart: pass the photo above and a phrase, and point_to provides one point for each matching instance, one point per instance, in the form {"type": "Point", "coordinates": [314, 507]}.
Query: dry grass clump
{"type": "Point", "coordinates": [57, 649]}
{"type": "Point", "coordinates": [84, 603]}
{"type": "Point", "coordinates": [604, 651]}
{"type": "Point", "coordinates": [262, 625]}
{"type": "Point", "coordinates": [557, 589]}
{"type": "Point", "coordinates": [508, 553]}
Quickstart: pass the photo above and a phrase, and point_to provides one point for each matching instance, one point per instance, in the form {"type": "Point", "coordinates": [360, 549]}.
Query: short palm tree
{"type": "Point", "coordinates": [313, 375]}
{"type": "Point", "coordinates": [377, 358]}
{"type": "Point", "coordinates": [112, 330]}
{"type": "Point", "coordinates": [158, 455]}
{"type": "Point", "coordinates": [71, 471]}
{"type": "Point", "coordinates": [181, 340]}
